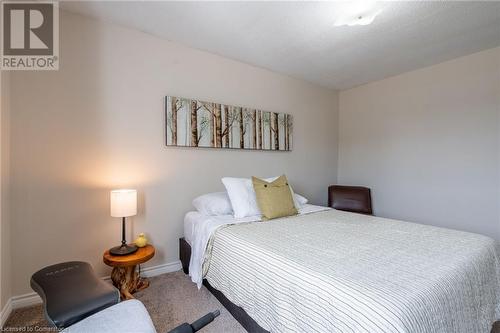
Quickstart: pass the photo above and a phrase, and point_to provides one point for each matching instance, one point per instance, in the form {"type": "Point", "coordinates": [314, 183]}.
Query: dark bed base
{"type": "Point", "coordinates": [184, 254]}
{"type": "Point", "coordinates": [238, 313]}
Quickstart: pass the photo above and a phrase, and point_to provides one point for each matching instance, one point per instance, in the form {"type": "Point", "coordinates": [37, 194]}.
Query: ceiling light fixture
{"type": "Point", "coordinates": [353, 13]}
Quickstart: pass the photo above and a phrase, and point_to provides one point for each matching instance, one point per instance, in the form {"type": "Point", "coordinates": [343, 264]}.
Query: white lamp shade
{"type": "Point", "coordinates": [123, 203]}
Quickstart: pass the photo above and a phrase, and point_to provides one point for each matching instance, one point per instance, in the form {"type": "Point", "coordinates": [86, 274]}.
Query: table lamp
{"type": "Point", "coordinates": [123, 204]}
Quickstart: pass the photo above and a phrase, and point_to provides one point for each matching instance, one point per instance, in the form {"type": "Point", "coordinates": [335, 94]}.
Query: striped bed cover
{"type": "Point", "coordinates": [335, 271]}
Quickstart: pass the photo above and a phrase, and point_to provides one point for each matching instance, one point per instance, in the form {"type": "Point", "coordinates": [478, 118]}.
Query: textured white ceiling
{"type": "Point", "coordinates": [299, 38]}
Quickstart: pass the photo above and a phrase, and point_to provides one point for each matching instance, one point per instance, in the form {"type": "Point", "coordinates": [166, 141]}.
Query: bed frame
{"type": "Point", "coordinates": [238, 313]}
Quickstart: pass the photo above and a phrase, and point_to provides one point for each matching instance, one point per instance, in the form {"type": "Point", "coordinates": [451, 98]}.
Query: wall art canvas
{"type": "Point", "coordinates": [195, 123]}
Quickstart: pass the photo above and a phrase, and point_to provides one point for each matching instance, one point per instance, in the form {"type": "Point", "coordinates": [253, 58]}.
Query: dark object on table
{"type": "Point", "coordinates": [71, 291]}
{"type": "Point", "coordinates": [356, 199]}
{"type": "Point", "coordinates": [123, 249]}
{"type": "Point", "coordinates": [197, 325]}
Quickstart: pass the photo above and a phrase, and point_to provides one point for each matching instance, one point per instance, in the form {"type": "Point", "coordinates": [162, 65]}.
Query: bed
{"type": "Point", "coordinates": [331, 271]}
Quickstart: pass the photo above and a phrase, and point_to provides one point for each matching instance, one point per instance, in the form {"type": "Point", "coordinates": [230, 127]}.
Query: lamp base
{"type": "Point", "coordinates": [123, 250]}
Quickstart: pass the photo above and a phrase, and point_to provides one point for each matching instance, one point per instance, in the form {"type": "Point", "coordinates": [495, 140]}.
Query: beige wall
{"type": "Point", "coordinates": [427, 143]}
{"type": "Point", "coordinates": [98, 124]}
{"type": "Point", "coordinates": [2, 270]}
{"type": "Point", "coordinates": [5, 253]}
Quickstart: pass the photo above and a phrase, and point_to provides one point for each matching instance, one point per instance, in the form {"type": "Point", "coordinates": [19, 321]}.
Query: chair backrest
{"type": "Point", "coordinates": [356, 199]}
{"type": "Point", "coordinates": [71, 291]}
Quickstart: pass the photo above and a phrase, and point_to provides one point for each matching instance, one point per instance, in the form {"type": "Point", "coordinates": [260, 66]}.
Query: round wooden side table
{"type": "Point", "coordinates": [124, 275]}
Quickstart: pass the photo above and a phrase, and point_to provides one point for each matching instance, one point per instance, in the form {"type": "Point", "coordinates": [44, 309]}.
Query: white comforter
{"type": "Point", "coordinates": [334, 271]}
{"type": "Point", "coordinates": [204, 229]}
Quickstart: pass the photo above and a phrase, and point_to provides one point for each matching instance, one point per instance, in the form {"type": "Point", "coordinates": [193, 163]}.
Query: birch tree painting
{"type": "Point", "coordinates": [194, 123]}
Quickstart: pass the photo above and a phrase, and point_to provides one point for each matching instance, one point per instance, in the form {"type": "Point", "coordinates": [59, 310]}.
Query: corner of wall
{"type": "Point", "coordinates": [5, 244]}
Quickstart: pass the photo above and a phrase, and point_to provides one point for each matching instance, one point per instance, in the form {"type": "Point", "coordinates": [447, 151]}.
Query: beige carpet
{"type": "Point", "coordinates": [171, 299]}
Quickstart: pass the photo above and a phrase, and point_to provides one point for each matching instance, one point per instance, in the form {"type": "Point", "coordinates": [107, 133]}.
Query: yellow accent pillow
{"type": "Point", "coordinates": [275, 198]}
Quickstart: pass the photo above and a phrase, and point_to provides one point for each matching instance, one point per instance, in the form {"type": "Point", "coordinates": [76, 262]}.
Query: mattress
{"type": "Point", "coordinates": [195, 218]}
{"type": "Point", "coordinates": [194, 223]}
{"type": "Point", "coordinates": [334, 271]}
{"type": "Point", "coordinates": [190, 220]}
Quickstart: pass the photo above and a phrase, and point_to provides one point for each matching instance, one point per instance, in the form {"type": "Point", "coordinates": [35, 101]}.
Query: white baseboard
{"type": "Point", "coordinates": [161, 269]}
{"type": "Point", "coordinates": [21, 301]}
{"type": "Point", "coordinates": [7, 309]}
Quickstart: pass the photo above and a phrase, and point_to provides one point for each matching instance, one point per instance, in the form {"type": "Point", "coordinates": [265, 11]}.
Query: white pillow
{"type": "Point", "coordinates": [243, 199]}
{"type": "Point", "coordinates": [297, 198]}
{"type": "Point", "coordinates": [213, 204]}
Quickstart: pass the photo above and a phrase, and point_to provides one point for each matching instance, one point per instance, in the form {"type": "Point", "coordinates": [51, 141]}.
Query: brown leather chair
{"type": "Point", "coordinates": [356, 199]}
